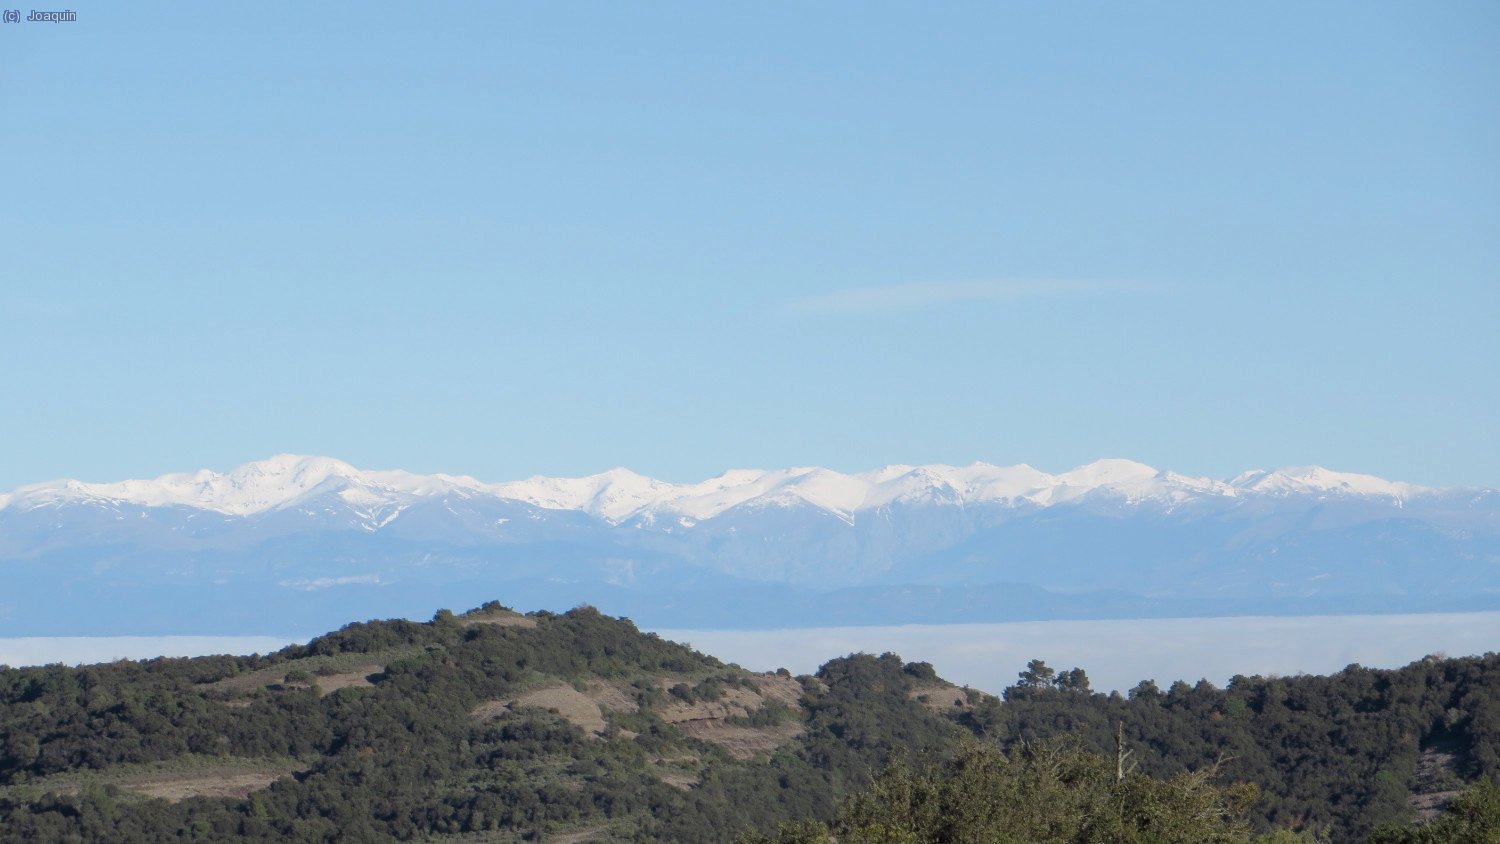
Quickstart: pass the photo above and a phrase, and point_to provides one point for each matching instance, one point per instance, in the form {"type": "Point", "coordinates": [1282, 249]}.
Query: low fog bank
{"type": "Point", "coordinates": [1117, 654]}
{"type": "Point", "coordinates": [75, 650]}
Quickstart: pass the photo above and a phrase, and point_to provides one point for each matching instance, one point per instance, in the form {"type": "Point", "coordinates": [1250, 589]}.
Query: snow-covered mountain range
{"type": "Point", "coordinates": [278, 538]}
{"type": "Point", "coordinates": [620, 495]}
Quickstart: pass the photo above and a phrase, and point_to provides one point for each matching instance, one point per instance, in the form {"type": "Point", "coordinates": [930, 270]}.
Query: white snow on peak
{"type": "Point", "coordinates": [1108, 472]}
{"type": "Point", "coordinates": [618, 495]}
{"type": "Point", "coordinates": [1303, 480]}
{"type": "Point", "coordinates": [612, 495]}
{"type": "Point", "coordinates": [279, 481]}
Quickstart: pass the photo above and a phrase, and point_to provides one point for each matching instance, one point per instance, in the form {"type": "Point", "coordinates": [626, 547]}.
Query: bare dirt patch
{"type": "Point", "coordinates": [207, 782]}
{"type": "Point", "coordinates": [709, 720]}
{"type": "Point", "coordinates": [682, 773]}
{"type": "Point", "coordinates": [776, 688]}
{"type": "Point", "coordinates": [942, 698]}
{"type": "Point", "coordinates": [502, 618]}
{"type": "Point", "coordinates": [742, 742]}
{"type": "Point", "coordinates": [490, 710]}
{"type": "Point", "coordinates": [611, 697]}
{"type": "Point", "coordinates": [736, 701]}
{"type": "Point", "coordinates": [272, 676]}
{"type": "Point", "coordinates": [1437, 780]}
{"type": "Point", "coordinates": [680, 780]}
{"type": "Point", "coordinates": [172, 779]}
{"type": "Point", "coordinates": [567, 701]}
{"type": "Point", "coordinates": [358, 678]}
{"type": "Point", "coordinates": [247, 683]}
{"type": "Point", "coordinates": [1430, 805]}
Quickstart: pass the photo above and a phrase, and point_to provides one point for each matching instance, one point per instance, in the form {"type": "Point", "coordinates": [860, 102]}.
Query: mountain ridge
{"type": "Point", "coordinates": [296, 542]}
{"type": "Point", "coordinates": [619, 495]}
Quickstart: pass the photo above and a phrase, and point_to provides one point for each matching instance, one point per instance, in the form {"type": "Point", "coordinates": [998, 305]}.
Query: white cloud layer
{"type": "Point", "coordinates": [1117, 654]}
{"type": "Point", "coordinates": [73, 650]}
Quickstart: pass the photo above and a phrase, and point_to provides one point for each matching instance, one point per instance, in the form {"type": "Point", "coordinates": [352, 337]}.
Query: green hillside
{"type": "Point", "coordinates": [496, 726]}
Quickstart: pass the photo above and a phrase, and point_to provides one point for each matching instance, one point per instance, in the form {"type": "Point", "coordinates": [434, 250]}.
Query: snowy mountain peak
{"type": "Point", "coordinates": [1247, 477]}
{"type": "Point", "coordinates": [1108, 472]}
{"type": "Point", "coordinates": [618, 495]}
{"type": "Point", "coordinates": [246, 489]}
{"type": "Point", "coordinates": [1318, 480]}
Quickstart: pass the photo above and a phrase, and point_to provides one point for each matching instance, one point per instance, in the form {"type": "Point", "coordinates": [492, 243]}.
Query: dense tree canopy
{"type": "Point", "coordinates": [396, 730]}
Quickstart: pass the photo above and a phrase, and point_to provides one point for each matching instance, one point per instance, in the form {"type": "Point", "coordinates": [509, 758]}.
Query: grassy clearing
{"type": "Point", "coordinates": [742, 742]}
{"type": "Point", "coordinates": [338, 664]}
{"type": "Point", "coordinates": [502, 618]}
{"type": "Point", "coordinates": [173, 779]}
{"type": "Point", "coordinates": [569, 703]}
{"type": "Point", "coordinates": [561, 698]}
{"type": "Point", "coordinates": [682, 772]}
{"type": "Point", "coordinates": [356, 679]}
{"type": "Point", "coordinates": [941, 698]}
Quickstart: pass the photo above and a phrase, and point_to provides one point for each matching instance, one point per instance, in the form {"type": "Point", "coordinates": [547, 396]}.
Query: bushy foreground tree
{"type": "Point", "coordinates": [1039, 793]}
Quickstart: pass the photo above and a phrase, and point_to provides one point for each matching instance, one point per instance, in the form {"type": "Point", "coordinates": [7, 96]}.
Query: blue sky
{"type": "Point", "coordinates": [506, 239]}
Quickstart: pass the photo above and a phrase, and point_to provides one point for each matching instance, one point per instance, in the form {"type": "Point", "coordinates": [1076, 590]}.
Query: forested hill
{"type": "Point", "coordinates": [497, 726]}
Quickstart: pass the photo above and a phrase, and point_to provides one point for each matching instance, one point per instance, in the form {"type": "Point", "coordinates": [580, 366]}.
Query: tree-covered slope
{"type": "Point", "coordinates": [1336, 754]}
{"type": "Point", "coordinates": [496, 726]}
{"type": "Point", "coordinates": [493, 724]}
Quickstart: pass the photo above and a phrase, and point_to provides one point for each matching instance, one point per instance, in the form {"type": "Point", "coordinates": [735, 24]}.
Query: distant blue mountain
{"type": "Point", "coordinates": [295, 544]}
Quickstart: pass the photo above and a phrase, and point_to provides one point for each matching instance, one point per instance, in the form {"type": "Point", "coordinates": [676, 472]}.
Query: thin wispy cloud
{"type": "Point", "coordinates": [923, 295]}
